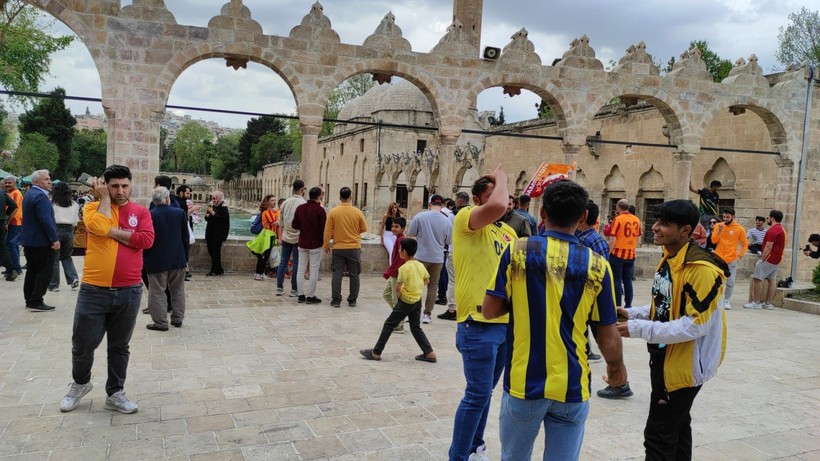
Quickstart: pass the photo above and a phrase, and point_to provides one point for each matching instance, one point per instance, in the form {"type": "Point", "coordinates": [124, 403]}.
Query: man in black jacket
{"type": "Point", "coordinates": [165, 262]}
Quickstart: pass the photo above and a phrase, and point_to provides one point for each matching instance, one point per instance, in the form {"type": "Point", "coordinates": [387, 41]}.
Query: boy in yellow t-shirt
{"type": "Point", "coordinates": [410, 283]}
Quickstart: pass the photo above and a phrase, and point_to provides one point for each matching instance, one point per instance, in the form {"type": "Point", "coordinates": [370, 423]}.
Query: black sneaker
{"type": "Point", "coordinates": [351, 303]}
{"type": "Point", "coordinates": [12, 276]}
{"type": "Point", "coordinates": [301, 299]}
{"type": "Point", "coordinates": [592, 357]}
{"type": "Point", "coordinates": [312, 300]}
{"type": "Point", "coordinates": [447, 315]}
{"type": "Point", "coordinates": [620, 392]}
{"type": "Point", "coordinates": [41, 307]}
{"type": "Point", "coordinates": [336, 303]}
{"type": "Point", "coordinates": [441, 301]}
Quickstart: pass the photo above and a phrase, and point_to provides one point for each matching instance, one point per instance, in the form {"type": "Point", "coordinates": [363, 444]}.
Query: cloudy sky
{"type": "Point", "coordinates": [733, 28]}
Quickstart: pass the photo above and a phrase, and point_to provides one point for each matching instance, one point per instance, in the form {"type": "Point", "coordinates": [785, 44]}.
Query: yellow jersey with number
{"type": "Point", "coordinates": [475, 257]}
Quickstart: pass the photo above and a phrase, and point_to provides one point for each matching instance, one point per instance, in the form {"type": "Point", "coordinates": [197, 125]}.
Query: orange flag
{"type": "Point", "coordinates": [547, 174]}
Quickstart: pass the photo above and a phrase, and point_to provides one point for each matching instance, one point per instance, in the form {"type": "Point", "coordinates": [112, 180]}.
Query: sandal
{"type": "Point", "coordinates": [368, 354]}
{"type": "Point", "coordinates": [424, 358]}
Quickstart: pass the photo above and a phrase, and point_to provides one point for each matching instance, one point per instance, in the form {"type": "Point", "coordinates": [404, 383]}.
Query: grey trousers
{"type": "Point", "coordinates": [339, 258]}
{"type": "Point", "coordinates": [434, 269]}
{"type": "Point", "coordinates": [158, 302]}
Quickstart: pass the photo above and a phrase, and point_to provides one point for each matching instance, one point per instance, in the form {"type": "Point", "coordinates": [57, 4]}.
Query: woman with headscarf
{"type": "Point", "coordinates": [66, 215]}
{"type": "Point", "coordinates": [216, 231]}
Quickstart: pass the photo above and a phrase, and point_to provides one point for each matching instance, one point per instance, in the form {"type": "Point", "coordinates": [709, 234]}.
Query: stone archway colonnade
{"type": "Point", "coordinates": [140, 51]}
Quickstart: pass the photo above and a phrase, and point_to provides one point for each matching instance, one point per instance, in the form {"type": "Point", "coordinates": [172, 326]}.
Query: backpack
{"type": "Point", "coordinates": [256, 226]}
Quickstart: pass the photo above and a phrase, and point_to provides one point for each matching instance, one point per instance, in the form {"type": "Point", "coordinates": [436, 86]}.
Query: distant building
{"type": "Point", "coordinates": [90, 122]}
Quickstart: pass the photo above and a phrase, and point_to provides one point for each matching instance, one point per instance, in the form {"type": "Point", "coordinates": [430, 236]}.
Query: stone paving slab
{"type": "Point", "coordinates": [252, 376]}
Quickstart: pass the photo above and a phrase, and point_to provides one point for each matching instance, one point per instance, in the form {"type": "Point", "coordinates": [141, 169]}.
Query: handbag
{"type": "Point", "coordinates": [273, 259]}
{"type": "Point", "coordinates": [191, 237]}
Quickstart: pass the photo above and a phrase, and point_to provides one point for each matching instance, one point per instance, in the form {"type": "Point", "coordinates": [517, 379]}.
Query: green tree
{"type": "Point", "coordinates": [26, 46]}
{"type": "Point", "coordinates": [192, 148]}
{"type": "Point", "coordinates": [800, 40]}
{"type": "Point", "coordinates": [35, 152]}
{"type": "Point", "coordinates": [348, 90]}
{"type": "Point", "coordinates": [225, 165]}
{"type": "Point", "coordinates": [51, 118]}
{"type": "Point", "coordinates": [544, 109]}
{"type": "Point", "coordinates": [295, 134]}
{"type": "Point", "coordinates": [256, 128]}
{"type": "Point", "coordinates": [90, 147]}
{"type": "Point", "coordinates": [270, 148]}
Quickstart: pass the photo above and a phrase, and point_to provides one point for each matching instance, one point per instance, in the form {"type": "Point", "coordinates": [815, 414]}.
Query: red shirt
{"type": "Point", "coordinates": [777, 236]}
{"type": "Point", "coordinates": [393, 268]}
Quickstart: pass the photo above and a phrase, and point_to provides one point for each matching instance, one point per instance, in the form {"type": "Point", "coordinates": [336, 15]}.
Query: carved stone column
{"type": "Point", "coordinates": [571, 152]}
{"type": "Point", "coordinates": [683, 174]}
{"type": "Point", "coordinates": [446, 175]}
{"type": "Point", "coordinates": [785, 190]}
{"type": "Point", "coordinates": [133, 141]}
{"type": "Point", "coordinates": [310, 155]}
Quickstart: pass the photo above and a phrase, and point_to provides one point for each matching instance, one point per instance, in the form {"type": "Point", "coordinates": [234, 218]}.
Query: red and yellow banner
{"type": "Point", "coordinates": [547, 174]}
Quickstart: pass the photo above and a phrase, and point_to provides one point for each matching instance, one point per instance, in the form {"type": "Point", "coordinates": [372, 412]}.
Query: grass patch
{"type": "Point", "coordinates": [812, 295]}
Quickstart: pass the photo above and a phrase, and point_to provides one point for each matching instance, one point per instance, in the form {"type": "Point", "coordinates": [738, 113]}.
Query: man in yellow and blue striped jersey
{"type": "Point", "coordinates": [552, 285]}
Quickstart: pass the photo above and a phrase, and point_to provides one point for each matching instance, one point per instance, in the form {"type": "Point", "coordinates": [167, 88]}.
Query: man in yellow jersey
{"type": "Point", "coordinates": [479, 238]}
{"type": "Point", "coordinates": [685, 329]}
{"type": "Point", "coordinates": [552, 285]}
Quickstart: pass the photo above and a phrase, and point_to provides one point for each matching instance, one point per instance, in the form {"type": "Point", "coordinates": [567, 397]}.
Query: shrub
{"type": "Point", "coordinates": [815, 278]}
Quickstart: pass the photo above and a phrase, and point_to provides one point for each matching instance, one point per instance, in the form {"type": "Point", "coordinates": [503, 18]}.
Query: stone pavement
{"type": "Point", "coordinates": [258, 377]}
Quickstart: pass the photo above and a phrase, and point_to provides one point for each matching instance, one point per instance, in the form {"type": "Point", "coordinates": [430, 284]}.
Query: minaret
{"type": "Point", "coordinates": [469, 13]}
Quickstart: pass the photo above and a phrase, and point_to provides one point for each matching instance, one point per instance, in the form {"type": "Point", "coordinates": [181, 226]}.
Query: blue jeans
{"type": "Point", "coordinates": [13, 241]}
{"type": "Point", "coordinates": [622, 270]}
{"type": "Point", "coordinates": [483, 353]}
{"type": "Point", "coordinates": [288, 250]}
{"type": "Point", "coordinates": [520, 420]}
{"type": "Point", "coordinates": [63, 256]}
{"type": "Point", "coordinates": [104, 311]}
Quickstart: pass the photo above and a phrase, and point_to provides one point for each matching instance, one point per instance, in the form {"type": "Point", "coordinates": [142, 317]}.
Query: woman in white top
{"type": "Point", "coordinates": [66, 214]}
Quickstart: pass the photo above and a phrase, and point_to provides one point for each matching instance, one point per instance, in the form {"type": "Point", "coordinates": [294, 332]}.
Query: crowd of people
{"type": "Point", "coordinates": [516, 288]}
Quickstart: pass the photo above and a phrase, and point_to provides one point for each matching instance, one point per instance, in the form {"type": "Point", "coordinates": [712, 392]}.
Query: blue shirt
{"type": "Point", "coordinates": [591, 239]}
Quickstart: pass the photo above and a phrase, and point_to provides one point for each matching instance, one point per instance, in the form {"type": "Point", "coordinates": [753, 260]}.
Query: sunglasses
{"type": "Point", "coordinates": [712, 222]}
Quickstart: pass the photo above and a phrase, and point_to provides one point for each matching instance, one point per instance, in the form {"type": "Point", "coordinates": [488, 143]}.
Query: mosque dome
{"type": "Point", "coordinates": [403, 96]}
{"type": "Point", "coordinates": [196, 181]}
{"type": "Point", "coordinates": [362, 107]}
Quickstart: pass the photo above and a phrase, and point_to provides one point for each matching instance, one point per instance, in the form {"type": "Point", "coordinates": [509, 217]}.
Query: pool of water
{"type": "Point", "coordinates": [240, 225]}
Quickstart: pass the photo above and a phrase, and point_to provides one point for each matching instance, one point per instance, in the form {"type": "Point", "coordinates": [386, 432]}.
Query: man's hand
{"type": "Point", "coordinates": [494, 174]}
{"type": "Point", "coordinates": [55, 245]}
{"type": "Point", "coordinates": [98, 188]}
{"type": "Point", "coordinates": [622, 312]}
{"type": "Point", "coordinates": [615, 375]}
{"type": "Point", "coordinates": [623, 329]}
{"type": "Point", "coordinates": [807, 252]}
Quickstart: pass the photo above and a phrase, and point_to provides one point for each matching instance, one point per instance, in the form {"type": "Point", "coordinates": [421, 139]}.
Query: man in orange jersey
{"type": "Point", "coordinates": [730, 244]}
{"type": "Point", "coordinates": [626, 228]}
{"type": "Point", "coordinates": [109, 298]}
{"type": "Point", "coordinates": [16, 223]}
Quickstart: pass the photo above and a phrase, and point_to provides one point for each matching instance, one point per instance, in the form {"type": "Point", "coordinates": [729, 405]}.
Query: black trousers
{"type": "Point", "coordinates": [668, 432]}
{"type": "Point", "coordinates": [215, 251]}
{"type": "Point", "coordinates": [412, 312]}
{"type": "Point", "coordinates": [5, 256]}
{"type": "Point", "coordinates": [39, 264]}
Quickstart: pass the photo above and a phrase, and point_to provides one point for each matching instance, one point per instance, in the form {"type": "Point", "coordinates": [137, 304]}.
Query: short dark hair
{"type": "Point", "coordinates": [298, 185]}
{"type": "Point", "coordinates": [814, 238]}
{"type": "Point", "coordinates": [565, 202]}
{"type": "Point", "coordinates": [463, 196]}
{"type": "Point", "coordinates": [400, 221]}
{"type": "Point", "coordinates": [523, 199]}
{"type": "Point", "coordinates": [314, 193]}
{"type": "Point", "coordinates": [410, 246]}
{"type": "Point", "coordinates": [481, 185]}
{"type": "Point", "coordinates": [715, 183]}
{"type": "Point", "coordinates": [345, 193]}
{"type": "Point", "coordinates": [164, 181]}
{"type": "Point", "coordinates": [760, 218]}
{"type": "Point", "coordinates": [592, 213]}
{"type": "Point", "coordinates": [182, 188]}
{"type": "Point", "coordinates": [117, 172]}
{"type": "Point", "coordinates": [777, 215]}
{"type": "Point", "coordinates": [729, 210]}
{"type": "Point", "coordinates": [632, 209]}
{"type": "Point", "coordinates": [679, 212]}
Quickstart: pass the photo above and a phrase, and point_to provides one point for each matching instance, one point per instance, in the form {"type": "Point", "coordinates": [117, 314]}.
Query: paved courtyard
{"type": "Point", "coordinates": [257, 377]}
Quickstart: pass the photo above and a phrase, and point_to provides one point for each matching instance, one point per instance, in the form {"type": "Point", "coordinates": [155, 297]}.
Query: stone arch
{"type": "Point", "coordinates": [548, 93]}
{"type": "Point", "coordinates": [615, 181]}
{"type": "Point", "coordinates": [581, 178]}
{"type": "Point", "coordinates": [651, 180]}
{"type": "Point", "coordinates": [722, 172]}
{"type": "Point", "coordinates": [185, 58]}
{"type": "Point", "coordinates": [521, 182]}
{"type": "Point", "coordinates": [428, 86]}
{"type": "Point", "coordinates": [651, 193]}
{"type": "Point", "coordinates": [771, 117]}
{"type": "Point", "coordinates": [668, 106]}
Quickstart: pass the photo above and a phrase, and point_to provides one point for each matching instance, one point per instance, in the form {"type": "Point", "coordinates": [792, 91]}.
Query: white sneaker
{"type": "Point", "coordinates": [119, 402]}
{"type": "Point", "coordinates": [258, 277]}
{"type": "Point", "coordinates": [479, 454]}
{"type": "Point", "coordinates": [767, 306]}
{"type": "Point", "coordinates": [425, 318]}
{"type": "Point", "coordinates": [293, 294]}
{"type": "Point", "coordinates": [280, 291]}
{"type": "Point", "coordinates": [727, 306]}
{"type": "Point", "coordinates": [75, 393]}
{"type": "Point", "coordinates": [752, 305]}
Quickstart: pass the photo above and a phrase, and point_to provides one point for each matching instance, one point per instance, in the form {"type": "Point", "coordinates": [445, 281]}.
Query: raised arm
{"type": "Point", "coordinates": [496, 206]}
